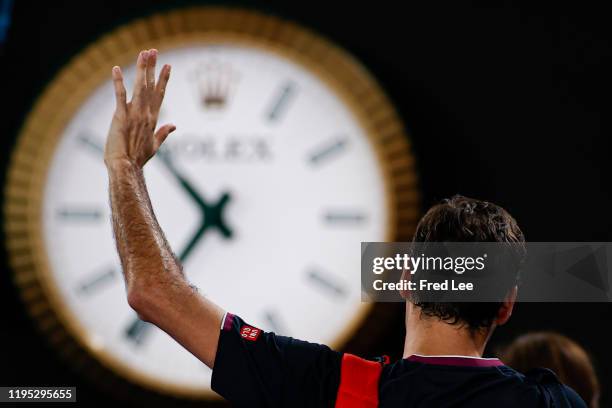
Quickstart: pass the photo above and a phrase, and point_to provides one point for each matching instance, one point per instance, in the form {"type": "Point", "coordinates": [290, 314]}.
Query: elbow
{"type": "Point", "coordinates": [142, 301]}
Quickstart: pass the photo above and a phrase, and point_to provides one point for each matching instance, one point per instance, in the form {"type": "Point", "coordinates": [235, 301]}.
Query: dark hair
{"type": "Point", "coordinates": [564, 356]}
{"type": "Point", "coordinates": [463, 219]}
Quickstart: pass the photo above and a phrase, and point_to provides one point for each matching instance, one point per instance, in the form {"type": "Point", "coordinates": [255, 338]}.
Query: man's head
{"type": "Point", "coordinates": [462, 219]}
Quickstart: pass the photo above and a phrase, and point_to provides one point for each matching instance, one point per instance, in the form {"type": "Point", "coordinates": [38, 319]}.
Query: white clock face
{"type": "Point", "coordinates": [268, 187]}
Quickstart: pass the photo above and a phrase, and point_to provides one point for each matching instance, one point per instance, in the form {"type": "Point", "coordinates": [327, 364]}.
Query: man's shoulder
{"type": "Point", "coordinates": [407, 381]}
{"type": "Point", "coordinates": [556, 390]}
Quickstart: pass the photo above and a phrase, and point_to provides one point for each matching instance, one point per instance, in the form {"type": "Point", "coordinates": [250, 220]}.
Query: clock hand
{"type": "Point", "coordinates": [212, 214]}
{"type": "Point", "coordinates": [165, 158]}
{"type": "Point", "coordinates": [212, 217]}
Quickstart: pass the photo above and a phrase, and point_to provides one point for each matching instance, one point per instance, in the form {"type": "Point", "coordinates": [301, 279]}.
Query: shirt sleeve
{"type": "Point", "coordinates": [262, 369]}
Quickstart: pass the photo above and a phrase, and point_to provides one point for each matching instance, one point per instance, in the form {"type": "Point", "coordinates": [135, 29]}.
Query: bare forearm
{"type": "Point", "coordinates": [145, 255]}
{"type": "Point", "coordinates": [157, 288]}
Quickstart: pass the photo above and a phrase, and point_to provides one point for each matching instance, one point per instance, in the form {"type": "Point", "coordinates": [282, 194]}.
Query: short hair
{"type": "Point", "coordinates": [559, 353]}
{"type": "Point", "coordinates": [463, 219]}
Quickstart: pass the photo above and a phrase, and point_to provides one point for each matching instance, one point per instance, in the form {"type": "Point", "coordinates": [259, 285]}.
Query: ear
{"type": "Point", "coordinates": [505, 311]}
{"type": "Point", "coordinates": [406, 276]}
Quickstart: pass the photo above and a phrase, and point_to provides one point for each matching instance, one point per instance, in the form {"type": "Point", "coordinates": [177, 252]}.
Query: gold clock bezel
{"type": "Point", "coordinates": [203, 25]}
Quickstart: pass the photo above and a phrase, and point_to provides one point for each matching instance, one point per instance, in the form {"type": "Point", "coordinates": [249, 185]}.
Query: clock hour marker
{"type": "Point", "coordinates": [80, 214]}
{"type": "Point", "coordinates": [281, 102]}
{"type": "Point", "coordinates": [137, 331]}
{"type": "Point", "coordinates": [328, 151]}
{"type": "Point", "coordinates": [326, 282]}
{"type": "Point", "coordinates": [345, 218]}
{"type": "Point", "coordinates": [274, 322]}
{"type": "Point", "coordinates": [97, 282]}
{"type": "Point", "coordinates": [88, 140]}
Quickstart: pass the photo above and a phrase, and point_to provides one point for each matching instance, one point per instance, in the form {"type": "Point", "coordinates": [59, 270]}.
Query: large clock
{"type": "Point", "coordinates": [286, 157]}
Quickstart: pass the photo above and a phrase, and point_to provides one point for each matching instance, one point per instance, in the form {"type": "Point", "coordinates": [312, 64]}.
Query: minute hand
{"type": "Point", "coordinates": [165, 158]}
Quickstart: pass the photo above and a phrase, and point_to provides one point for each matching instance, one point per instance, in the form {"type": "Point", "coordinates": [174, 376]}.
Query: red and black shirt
{"type": "Point", "coordinates": [260, 369]}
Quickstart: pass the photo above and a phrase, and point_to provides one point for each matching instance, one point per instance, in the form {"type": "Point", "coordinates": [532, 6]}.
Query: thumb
{"type": "Point", "coordinates": [162, 133]}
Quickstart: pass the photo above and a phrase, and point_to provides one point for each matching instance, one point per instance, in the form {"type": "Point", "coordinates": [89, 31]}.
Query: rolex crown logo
{"type": "Point", "coordinates": [215, 83]}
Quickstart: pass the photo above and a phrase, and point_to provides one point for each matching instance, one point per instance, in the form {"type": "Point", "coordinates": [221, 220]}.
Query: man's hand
{"type": "Point", "coordinates": [132, 135]}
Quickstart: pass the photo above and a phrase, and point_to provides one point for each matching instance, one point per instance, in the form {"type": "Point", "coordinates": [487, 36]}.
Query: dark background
{"type": "Point", "coordinates": [506, 103]}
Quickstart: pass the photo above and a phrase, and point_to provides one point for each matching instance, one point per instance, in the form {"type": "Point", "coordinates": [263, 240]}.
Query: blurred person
{"type": "Point", "coordinates": [444, 343]}
{"type": "Point", "coordinates": [559, 353]}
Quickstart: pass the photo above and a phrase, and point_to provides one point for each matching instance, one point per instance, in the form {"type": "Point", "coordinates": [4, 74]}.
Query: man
{"type": "Point", "coordinates": [442, 364]}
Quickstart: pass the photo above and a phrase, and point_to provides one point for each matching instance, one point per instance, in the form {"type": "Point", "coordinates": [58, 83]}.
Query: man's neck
{"type": "Point", "coordinates": [430, 336]}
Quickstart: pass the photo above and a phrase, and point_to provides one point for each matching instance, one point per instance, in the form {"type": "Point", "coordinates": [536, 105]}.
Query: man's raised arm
{"type": "Point", "coordinates": [156, 286]}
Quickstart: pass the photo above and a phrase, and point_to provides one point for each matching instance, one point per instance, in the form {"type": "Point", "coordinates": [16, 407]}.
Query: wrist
{"type": "Point", "coordinates": [118, 164]}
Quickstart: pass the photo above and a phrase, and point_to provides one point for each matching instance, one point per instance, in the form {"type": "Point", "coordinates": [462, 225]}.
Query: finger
{"type": "Point", "coordinates": [150, 72]}
{"type": "Point", "coordinates": [139, 82]}
{"type": "Point", "coordinates": [119, 89]}
{"type": "Point", "coordinates": [160, 88]}
{"type": "Point", "coordinates": [162, 133]}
